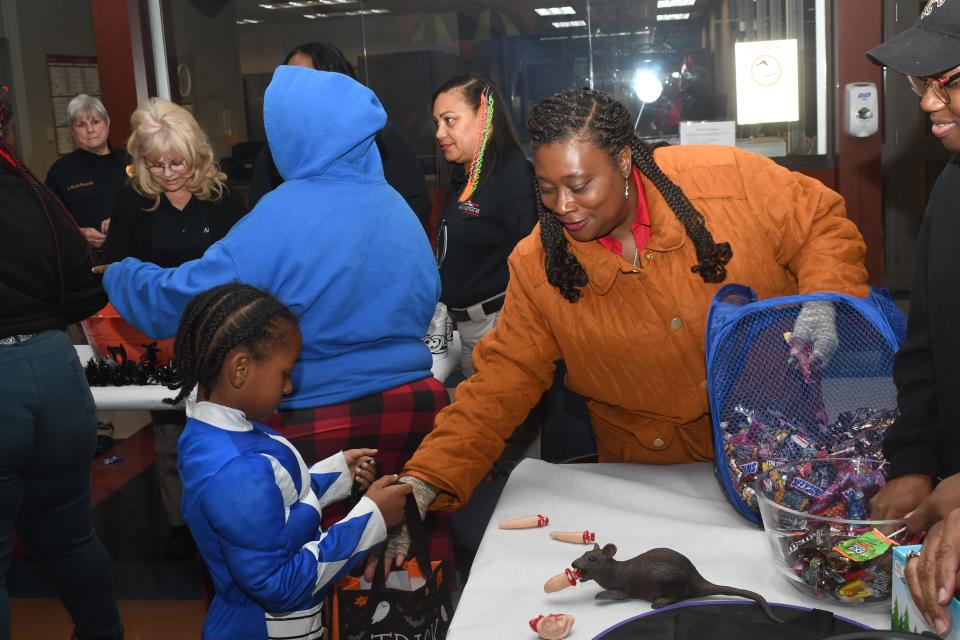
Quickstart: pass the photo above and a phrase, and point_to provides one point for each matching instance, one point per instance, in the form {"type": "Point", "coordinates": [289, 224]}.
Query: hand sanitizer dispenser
{"type": "Point", "coordinates": [861, 116]}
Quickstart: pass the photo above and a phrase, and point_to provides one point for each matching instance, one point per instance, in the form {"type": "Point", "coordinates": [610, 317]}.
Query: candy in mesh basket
{"type": "Point", "coordinates": [772, 400]}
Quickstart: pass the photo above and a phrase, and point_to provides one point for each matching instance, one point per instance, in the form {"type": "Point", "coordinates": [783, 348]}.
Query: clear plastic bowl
{"type": "Point", "coordinates": [803, 545]}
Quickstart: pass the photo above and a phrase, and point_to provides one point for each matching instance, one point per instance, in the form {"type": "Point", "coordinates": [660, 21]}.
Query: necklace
{"type": "Point", "coordinates": [636, 257]}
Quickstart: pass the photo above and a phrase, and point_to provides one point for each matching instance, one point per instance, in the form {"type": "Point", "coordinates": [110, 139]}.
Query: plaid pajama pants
{"type": "Point", "coordinates": [394, 421]}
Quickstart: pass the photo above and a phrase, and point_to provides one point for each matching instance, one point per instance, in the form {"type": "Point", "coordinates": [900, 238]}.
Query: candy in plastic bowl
{"type": "Point", "coordinates": [814, 513]}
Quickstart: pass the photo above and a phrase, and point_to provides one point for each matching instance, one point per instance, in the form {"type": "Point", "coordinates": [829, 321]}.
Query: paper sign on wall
{"type": "Point", "coordinates": [719, 132]}
{"type": "Point", "coordinates": [767, 81]}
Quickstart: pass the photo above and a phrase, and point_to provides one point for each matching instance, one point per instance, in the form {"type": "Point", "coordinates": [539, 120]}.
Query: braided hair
{"type": "Point", "coordinates": [475, 88]}
{"type": "Point", "coordinates": [49, 203]}
{"type": "Point", "coordinates": [218, 321]}
{"type": "Point", "coordinates": [589, 115]}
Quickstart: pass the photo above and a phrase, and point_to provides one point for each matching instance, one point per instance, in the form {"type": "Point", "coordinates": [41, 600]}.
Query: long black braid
{"type": "Point", "coordinates": [593, 116]}
{"type": "Point", "coordinates": [218, 321]}
{"type": "Point", "coordinates": [10, 160]}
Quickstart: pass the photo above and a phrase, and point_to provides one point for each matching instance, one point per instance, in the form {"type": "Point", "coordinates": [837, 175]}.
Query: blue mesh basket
{"type": "Point", "coordinates": [749, 375]}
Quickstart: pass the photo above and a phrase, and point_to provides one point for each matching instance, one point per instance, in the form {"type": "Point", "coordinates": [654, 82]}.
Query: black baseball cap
{"type": "Point", "coordinates": [931, 46]}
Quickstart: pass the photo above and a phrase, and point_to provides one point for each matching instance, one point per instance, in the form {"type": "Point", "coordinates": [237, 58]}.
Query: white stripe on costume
{"type": "Point", "coordinates": [296, 625]}
{"type": "Point", "coordinates": [285, 483]}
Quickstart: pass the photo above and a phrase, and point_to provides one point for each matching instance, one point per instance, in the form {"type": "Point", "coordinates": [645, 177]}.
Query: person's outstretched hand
{"type": "Point", "coordinates": [816, 324]}
{"type": "Point", "coordinates": [398, 540]}
{"type": "Point", "coordinates": [390, 499]}
{"type": "Point", "coordinates": [900, 496]}
{"type": "Point", "coordinates": [100, 268]}
{"type": "Point", "coordinates": [932, 577]}
{"type": "Point", "coordinates": [936, 506]}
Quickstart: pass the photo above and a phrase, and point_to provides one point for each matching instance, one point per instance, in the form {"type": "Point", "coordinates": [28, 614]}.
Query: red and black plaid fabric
{"type": "Point", "coordinates": [394, 421]}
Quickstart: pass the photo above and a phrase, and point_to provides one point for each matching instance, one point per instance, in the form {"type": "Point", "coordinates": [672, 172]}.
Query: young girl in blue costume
{"type": "Point", "coordinates": [251, 503]}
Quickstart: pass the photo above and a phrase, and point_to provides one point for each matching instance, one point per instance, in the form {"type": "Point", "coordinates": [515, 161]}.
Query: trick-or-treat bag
{"type": "Point", "coordinates": [411, 603]}
{"type": "Point", "coordinates": [798, 377]}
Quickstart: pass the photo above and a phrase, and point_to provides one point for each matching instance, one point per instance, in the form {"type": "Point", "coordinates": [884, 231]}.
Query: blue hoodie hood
{"type": "Point", "coordinates": [335, 243]}
{"type": "Point", "coordinates": [311, 134]}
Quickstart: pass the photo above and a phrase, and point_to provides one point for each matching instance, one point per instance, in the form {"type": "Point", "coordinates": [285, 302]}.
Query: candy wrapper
{"type": "Point", "coordinates": [755, 441]}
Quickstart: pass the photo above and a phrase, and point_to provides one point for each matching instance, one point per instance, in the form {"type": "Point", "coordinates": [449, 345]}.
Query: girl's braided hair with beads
{"type": "Point", "coordinates": [593, 116]}
{"type": "Point", "coordinates": [49, 203]}
{"type": "Point", "coordinates": [495, 137]}
{"type": "Point", "coordinates": [222, 319]}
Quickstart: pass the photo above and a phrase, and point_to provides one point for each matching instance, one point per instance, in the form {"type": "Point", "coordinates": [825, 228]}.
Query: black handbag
{"type": "Point", "coordinates": [421, 609]}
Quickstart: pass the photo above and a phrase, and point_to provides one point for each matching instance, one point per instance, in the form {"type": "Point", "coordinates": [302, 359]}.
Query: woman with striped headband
{"type": "Point", "coordinates": [487, 185]}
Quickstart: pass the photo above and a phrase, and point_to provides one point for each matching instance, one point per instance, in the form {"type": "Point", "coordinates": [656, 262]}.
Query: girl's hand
{"type": "Point", "coordinates": [100, 268]}
{"type": "Point", "coordinates": [390, 497]}
{"type": "Point", "coordinates": [360, 462]}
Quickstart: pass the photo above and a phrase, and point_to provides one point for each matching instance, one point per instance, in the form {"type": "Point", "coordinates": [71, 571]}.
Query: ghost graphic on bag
{"type": "Point", "coordinates": [380, 612]}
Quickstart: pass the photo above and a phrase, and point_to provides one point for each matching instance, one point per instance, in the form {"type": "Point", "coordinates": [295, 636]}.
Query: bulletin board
{"type": "Point", "coordinates": [69, 76]}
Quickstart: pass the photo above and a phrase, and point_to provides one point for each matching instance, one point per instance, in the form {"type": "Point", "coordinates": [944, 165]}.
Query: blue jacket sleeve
{"type": "Point", "coordinates": [277, 561]}
{"type": "Point", "coordinates": [152, 298]}
{"type": "Point", "coordinates": [331, 479]}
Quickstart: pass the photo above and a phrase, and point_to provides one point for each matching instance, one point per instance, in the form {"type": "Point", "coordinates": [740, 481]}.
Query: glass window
{"type": "Point", "coordinates": [670, 61]}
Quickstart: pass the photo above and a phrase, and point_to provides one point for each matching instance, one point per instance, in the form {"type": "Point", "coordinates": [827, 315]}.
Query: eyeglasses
{"type": "Point", "coordinates": [941, 87]}
{"type": "Point", "coordinates": [159, 168]}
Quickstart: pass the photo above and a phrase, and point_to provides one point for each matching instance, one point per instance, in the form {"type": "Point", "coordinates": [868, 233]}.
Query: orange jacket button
{"type": "Point", "coordinates": [658, 442]}
{"type": "Point", "coordinates": [676, 323]}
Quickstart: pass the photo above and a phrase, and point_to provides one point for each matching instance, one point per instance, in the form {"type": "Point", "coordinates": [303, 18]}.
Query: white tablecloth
{"type": "Point", "coordinates": [147, 397]}
{"type": "Point", "coordinates": [636, 507]}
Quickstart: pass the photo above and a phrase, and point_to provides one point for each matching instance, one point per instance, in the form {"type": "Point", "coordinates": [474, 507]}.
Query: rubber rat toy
{"type": "Point", "coordinates": [660, 576]}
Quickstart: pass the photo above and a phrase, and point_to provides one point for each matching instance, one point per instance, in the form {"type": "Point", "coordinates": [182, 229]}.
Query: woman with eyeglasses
{"type": "Point", "coordinates": [175, 206]}
{"type": "Point", "coordinates": [923, 447]}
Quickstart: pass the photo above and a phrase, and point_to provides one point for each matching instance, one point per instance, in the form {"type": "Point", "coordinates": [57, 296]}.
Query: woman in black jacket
{"type": "Point", "coordinates": [491, 204]}
{"type": "Point", "coordinates": [175, 206]}
{"type": "Point", "coordinates": [47, 414]}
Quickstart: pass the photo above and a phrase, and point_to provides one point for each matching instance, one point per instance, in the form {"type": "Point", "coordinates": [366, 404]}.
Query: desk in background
{"type": "Point", "coordinates": [150, 397]}
{"type": "Point", "coordinates": [636, 507]}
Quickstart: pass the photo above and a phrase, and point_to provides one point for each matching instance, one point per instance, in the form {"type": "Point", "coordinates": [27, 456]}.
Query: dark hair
{"type": "Point", "coordinates": [44, 196]}
{"type": "Point", "coordinates": [502, 138]}
{"type": "Point", "coordinates": [218, 321]}
{"type": "Point", "coordinates": [593, 116]}
{"type": "Point", "coordinates": [325, 56]}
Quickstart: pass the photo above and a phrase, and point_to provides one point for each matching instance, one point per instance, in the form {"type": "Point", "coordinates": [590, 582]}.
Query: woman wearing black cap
{"type": "Point", "coordinates": [924, 444]}
{"type": "Point", "coordinates": [48, 421]}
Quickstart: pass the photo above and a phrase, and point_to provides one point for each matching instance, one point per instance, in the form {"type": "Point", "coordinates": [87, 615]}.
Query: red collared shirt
{"type": "Point", "coordinates": [641, 223]}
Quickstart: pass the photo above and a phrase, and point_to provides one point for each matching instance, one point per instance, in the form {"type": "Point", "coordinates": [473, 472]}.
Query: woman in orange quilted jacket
{"type": "Point", "coordinates": [617, 279]}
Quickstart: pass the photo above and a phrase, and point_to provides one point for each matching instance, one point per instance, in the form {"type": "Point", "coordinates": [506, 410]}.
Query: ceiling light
{"type": "Point", "coordinates": [248, 21]}
{"type": "Point", "coordinates": [340, 14]}
{"type": "Point", "coordinates": [360, 12]}
{"type": "Point", "coordinates": [300, 4]}
{"type": "Point", "coordinates": [570, 23]}
{"type": "Point", "coordinates": [555, 11]}
{"type": "Point", "coordinates": [672, 16]}
{"type": "Point", "coordinates": [672, 4]}
{"type": "Point", "coordinates": [647, 85]}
